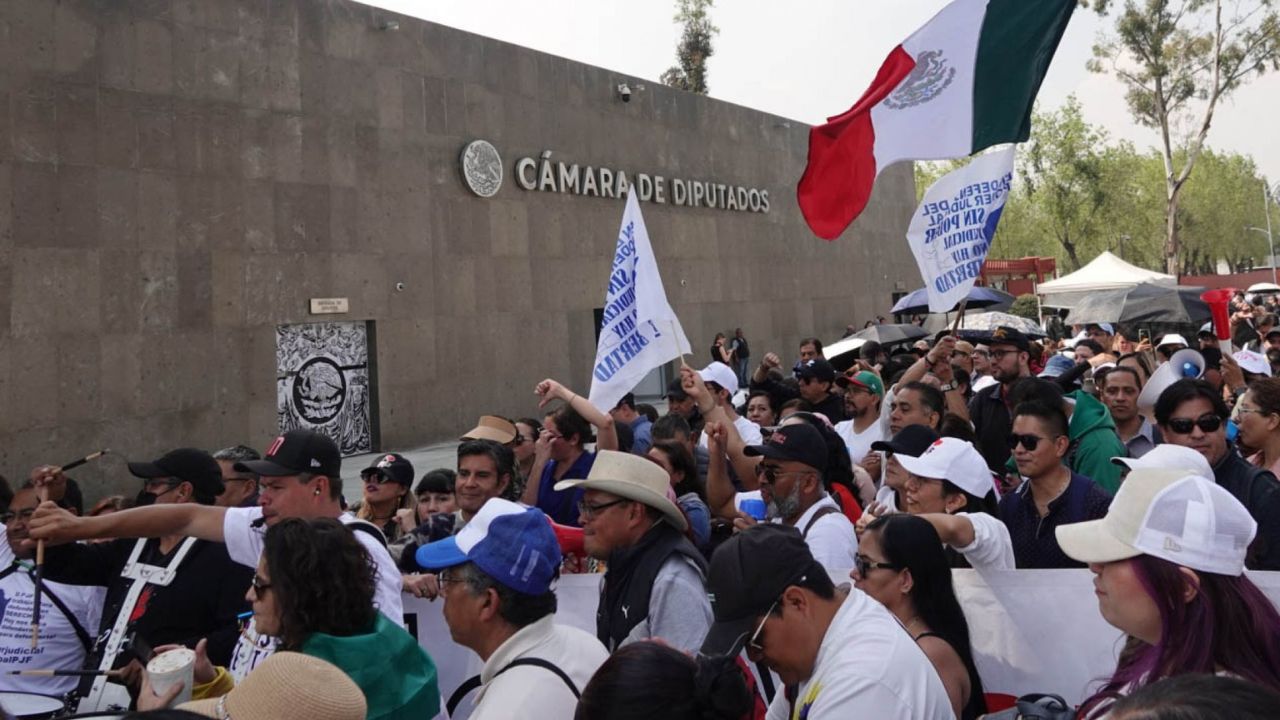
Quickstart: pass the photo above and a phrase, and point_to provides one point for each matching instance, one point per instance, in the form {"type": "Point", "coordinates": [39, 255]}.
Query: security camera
{"type": "Point", "coordinates": [624, 92]}
{"type": "Point", "coordinates": [399, 287]}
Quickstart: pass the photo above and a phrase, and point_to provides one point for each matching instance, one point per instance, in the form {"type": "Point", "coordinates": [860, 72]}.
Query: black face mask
{"type": "Point", "coordinates": [144, 498]}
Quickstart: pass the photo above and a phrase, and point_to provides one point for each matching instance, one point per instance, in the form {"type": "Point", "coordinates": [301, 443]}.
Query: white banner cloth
{"type": "Point", "coordinates": [1032, 630]}
{"type": "Point", "coordinates": [639, 331]}
{"type": "Point", "coordinates": [955, 223]}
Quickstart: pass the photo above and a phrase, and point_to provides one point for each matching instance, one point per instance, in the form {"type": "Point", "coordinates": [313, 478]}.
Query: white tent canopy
{"type": "Point", "coordinates": [1105, 272]}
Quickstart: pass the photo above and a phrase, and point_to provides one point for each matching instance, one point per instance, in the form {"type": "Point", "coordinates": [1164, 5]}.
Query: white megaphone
{"type": "Point", "coordinates": [1184, 364]}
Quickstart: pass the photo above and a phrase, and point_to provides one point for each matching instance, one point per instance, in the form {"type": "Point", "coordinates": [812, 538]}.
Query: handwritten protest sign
{"type": "Point", "coordinates": [639, 330]}
{"type": "Point", "coordinates": [953, 227]}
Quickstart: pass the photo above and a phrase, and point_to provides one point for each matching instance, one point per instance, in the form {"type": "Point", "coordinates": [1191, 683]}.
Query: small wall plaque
{"type": "Point", "coordinates": [329, 306]}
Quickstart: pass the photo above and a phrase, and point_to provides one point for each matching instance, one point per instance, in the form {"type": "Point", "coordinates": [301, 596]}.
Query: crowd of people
{"type": "Point", "coordinates": [778, 544]}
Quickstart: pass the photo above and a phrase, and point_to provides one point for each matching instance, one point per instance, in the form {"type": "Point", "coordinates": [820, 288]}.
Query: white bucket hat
{"type": "Point", "coordinates": [1173, 515]}
{"type": "Point", "coordinates": [631, 477]}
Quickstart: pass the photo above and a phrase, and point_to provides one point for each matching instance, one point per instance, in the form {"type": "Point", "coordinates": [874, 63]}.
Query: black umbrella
{"type": "Point", "coordinates": [917, 302]}
{"type": "Point", "coordinates": [1145, 303]}
{"type": "Point", "coordinates": [891, 334]}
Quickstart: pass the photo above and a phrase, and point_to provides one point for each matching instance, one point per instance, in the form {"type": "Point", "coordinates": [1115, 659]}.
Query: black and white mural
{"type": "Point", "coordinates": [323, 382]}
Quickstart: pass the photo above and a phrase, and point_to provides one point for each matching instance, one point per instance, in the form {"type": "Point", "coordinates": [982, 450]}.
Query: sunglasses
{"type": "Point", "coordinates": [770, 473]}
{"type": "Point", "coordinates": [865, 565]}
{"type": "Point", "coordinates": [1184, 426]}
{"type": "Point", "coordinates": [377, 478]}
{"type": "Point", "coordinates": [258, 585]}
{"type": "Point", "coordinates": [1028, 442]}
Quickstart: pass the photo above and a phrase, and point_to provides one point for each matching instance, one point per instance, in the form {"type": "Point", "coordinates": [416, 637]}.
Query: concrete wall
{"type": "Point", "coordinates": [177, 177]}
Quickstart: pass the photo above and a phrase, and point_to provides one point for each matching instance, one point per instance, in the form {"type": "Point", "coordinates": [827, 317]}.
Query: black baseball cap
{"type": "Point", "coordinates": [394, 466]}
{"type": "Point", "coordinates": [748, 573]}
{"type": "Point", "coordinates": [911, 440]}
{"type": "Point", "coordinates": [675, 389]}
{"type": "Point", "coordinates": [816, 369]}
{"type": "Point", "coordinates": [297, 452]}
{"type": "Point", "coordinates": [187, 464]}
{"type": "Point", "coordinates": [800, 442]}
{"type": "Point", "coordinates": [1010, 336]}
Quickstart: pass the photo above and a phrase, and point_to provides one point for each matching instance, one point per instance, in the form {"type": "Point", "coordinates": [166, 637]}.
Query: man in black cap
{"type": "Point", "coordinates": [816, 378]}
{"type": "Point", "coordinates": [989, 410]}
{"type": "Point", "coordinates": [300, 477]}
{"type": "Point", "coordinates": [792, 462]}
{"type": "Point", "coordinates": [169, 589]}
{"type": "Point", "coordinates": [843, 653]}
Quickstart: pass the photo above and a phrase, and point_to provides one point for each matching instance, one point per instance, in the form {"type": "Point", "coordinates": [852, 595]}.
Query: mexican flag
{"type": "Point", "coordinates": [965, 81]}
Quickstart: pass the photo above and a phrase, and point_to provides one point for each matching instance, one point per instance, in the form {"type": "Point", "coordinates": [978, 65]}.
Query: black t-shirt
{"type": "Point", "coordinates": [202, 601]}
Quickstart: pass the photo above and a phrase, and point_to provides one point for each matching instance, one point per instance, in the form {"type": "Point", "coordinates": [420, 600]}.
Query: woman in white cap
{"type": "Point", "coordinates": [1169, 565]}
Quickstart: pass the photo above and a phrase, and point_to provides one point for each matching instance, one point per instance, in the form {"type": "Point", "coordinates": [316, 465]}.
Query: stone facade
{"type": "Point", "coordinates": [178, 177]}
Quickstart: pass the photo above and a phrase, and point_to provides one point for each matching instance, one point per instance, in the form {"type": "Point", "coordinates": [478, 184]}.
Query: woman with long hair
{"type": "Point", "coordinates": [674, 457]}
{"type": "Point", "coordinates": [901, 563]}
{"type": "Point", "coordinates": [386, 492]}
{"type": "Point", "coordinates": [1168, 561]}
{"type": "Point", "coordinates": [313, 592]}
{"type": "Point", "coordinates": [651, 680]}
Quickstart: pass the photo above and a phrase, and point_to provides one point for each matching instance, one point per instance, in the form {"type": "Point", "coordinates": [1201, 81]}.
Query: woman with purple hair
{"type": "Point", "coordinates": [1168, 561]}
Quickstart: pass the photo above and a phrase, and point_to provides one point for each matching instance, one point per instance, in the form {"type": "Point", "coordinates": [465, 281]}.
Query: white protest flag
{"type": "Point", "coordinates": [640, 331]}
{"type": "Point", "coordinates": [953, 227]}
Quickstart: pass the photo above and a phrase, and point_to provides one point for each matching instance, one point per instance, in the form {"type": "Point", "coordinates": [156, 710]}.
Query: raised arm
{"type": "Point", "coordinates": [720, 492]}
{"type": "Point", "coordinates": [734, 446]}
{"type": "Point", "coordinates": [55, 525]}
{"type": "Point", "coordinates": [955, 530]}
{"type": "Point", "coordinates": [606, 435]}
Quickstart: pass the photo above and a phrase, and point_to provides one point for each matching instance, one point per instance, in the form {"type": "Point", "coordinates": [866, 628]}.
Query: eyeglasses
{"type": "Point", "coordinates": [998, 355]}
{"type": "Point", "coordinates": [753, 641]}
{"type": "Point", "coordinates": [447, 576]}
{"type": "Point", "coordinates": [770, 473]}
{"type": "Point", "coordinates": [1028, 442]}
{"type": "Point", "coordinates": [1184, 426]}
{"type": "Point", "coordinates": [588, 510]}
{"type": "Point", "coordinates": [865, 565]}
{"type": "Point", "coordinates": [258, 585]}
{"type": "Point", "coordinates": [1247, 410]}
{"type": "Point", "coordinates": [23, 515]}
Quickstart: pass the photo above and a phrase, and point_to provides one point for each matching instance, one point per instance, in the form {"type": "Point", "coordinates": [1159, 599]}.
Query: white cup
{"type": "Point", "coordinates": [171, 667]}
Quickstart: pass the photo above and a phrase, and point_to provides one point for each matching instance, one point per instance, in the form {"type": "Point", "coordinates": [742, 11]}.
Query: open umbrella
{"type": "Point", "coordinates": [843, 353]}
{"type": "Point", "coordinates": [987, 322]}
{"type": "Point", "coordinates": [917, 303]}
{"type": "Point", "coordinates": [892, 334]}
{"type": "Point", "coordinates": [1145, 303]}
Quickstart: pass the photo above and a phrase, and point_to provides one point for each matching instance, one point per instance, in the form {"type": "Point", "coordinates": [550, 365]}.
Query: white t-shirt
{"type": "Point", "coordinates": [867, 667]}
{"type": "Point", "coordinates": [244, 545]}
{"type": "Point", "coordinates": [831, 540]}
{"type": "Point", "coordinates": [992, 548]}
{"type": "Point", "coordinates": [859, 443]}
{"type": "Point", "coordinates": [58, 648]}
{"type": "Point", "coordinates": [749, 431]}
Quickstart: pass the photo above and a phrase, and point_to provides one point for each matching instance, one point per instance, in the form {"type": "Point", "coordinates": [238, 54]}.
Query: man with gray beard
{"type": "Point", "coordinates": [792, 462]}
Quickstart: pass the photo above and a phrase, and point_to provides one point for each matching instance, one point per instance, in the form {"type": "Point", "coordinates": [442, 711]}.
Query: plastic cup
{"type": "Point", "coordinates": [755, 508]}
{"type": "Point", "coordinates": [174, 666]}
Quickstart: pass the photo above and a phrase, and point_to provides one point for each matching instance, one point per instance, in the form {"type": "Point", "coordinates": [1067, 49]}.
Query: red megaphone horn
{"type": "Point", "coordinates": [1219, 301]}
{"type": "Point", "coordinates": [570, 539]}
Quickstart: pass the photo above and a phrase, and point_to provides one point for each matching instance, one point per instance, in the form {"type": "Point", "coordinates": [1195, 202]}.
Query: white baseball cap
{"type": "Point", "coordinates": [955, 461]}
{"type": "Point", "coordinates": [1172, 339]}
{"type": "Point", "coordinates": [722, 375]}
{"type": "Point", "coordinates": [1169, 457]}
{"type": "Point", "coordinates": [1173, 515]}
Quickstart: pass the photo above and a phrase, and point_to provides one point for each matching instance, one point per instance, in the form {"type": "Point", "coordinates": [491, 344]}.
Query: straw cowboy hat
{"type": "Point", "coordinates": [286, 686]}
{"type": "Point", "coordinates": [631, 477]}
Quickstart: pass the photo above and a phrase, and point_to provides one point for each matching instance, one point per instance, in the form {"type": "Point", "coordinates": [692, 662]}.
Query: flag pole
{"type": "Point", "coordinates": [959, 316]}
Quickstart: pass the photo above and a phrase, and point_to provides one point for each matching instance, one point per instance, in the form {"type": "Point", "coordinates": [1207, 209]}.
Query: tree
{"type": "Point", "coordinates": [695, 47]}
{"type": "Point", "coordinates": [1026, 306]}
{"type": "Point", "coordinates": [1177, 59]}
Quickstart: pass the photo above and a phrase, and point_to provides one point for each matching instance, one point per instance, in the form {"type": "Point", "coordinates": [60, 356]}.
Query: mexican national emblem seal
{"type": "Point", "coordinates": [931, 76]}
{"type": "Point", "coordinates": [482, 168]}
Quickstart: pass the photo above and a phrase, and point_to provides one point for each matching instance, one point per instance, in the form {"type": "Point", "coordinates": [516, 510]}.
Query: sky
{"type": "Point", "coordinates": [810, 59]}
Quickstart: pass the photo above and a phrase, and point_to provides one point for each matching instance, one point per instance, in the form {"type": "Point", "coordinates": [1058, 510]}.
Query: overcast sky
{"type": "Point", "coordinates": [810, 59]}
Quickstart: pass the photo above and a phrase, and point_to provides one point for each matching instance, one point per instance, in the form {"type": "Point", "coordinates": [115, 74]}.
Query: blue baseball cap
{"type": "Point", "coordinates": [1058, 365]}
{"type": "Point", "coordinates": [512, 544]}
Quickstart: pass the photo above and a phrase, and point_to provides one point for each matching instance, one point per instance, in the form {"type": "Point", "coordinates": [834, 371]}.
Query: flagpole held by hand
{"type": "Point", "coordinates": [959, 316]}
